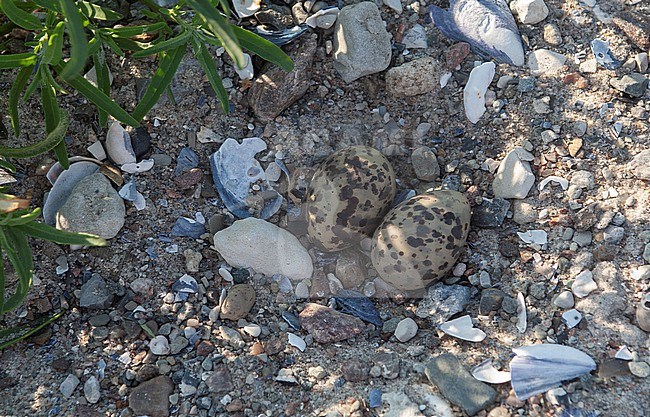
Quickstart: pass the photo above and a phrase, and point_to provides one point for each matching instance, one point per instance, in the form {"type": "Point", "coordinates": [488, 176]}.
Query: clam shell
{"type": "Point", "coordinates": [118, 145]}
{"type": "Point", "coordinates": [463, 328]}
{"type": "Point", "coordinates": [246, 8]}
{"type": "Point", "coordinates": [475, 89]}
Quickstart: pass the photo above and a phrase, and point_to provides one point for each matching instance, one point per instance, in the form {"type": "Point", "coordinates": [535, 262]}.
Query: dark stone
{"type": "Point", "coordinates": [61, 364]}
{"type": "Point", "coordinates": [140, 141]}
{"type": "Point", "coordinates": [491, 300]}
{"type": "Point", "coordinates": [151, 398]}
{"type": "Point", "coordinates": [86, 411]}
{"type": "Point", "coordinates": [633, 84]}
{"type": "Point", "coordinates": [186, 228]}
{"type": "Point", "coordinates": [42, 336]}
{"type": "Point", "coordinates": [491, 213]}
{"type": "Point", "coordinates": [99, 320]}
{"type": "Point", "coordinates": [606, 252]}
{"type": "Point", "coordinates": [95, 293]}
{"type": "Point", "coordinates": [187, 159]}
{"type": "Point", "coordinates": [189, 178]}
{"type": "Point", "coordinates": [613, 367]}
{"type": "Point", "coordinates": [220, 381]}
{"type": "Point", "coordinates": [389, 363]}
{"type": "Point", "coordinates": [587, 217]}
{"type": "Point", "coordinates": [355, 371]}
{"type": "Point", "coordinates": [275, 89]}
{"type": "Point", "coordinates": [636, 26]}
{"type": "Point", "coordinates": [458, 385]}
{"type": "Point", "coordinates": [327, 325]}
{"type": "Point", "coordinates": [508, 249]}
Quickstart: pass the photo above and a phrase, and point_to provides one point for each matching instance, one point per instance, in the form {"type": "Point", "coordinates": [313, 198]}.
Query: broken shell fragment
{"type": "Point", "coordinates": [521, 313]}
{"type": "Point", "coordinates": [571, 318]}
{"type": "Point", "coordinates": [246, 8]}
{"type": "Point", "coordinates": [97, 150]}
{"type": "Point", "coordinates": [324, 18]}
{"type": "Point", "coordinates": [643, 313]}
{"type": "Point", "coordinates": [486, 372]}
{"type": "Point", "coordinates": [246, 72]}
{"type": "Point", "coordinates": [142, 166]}
{"type": "Point", "coordinates": [539, 368]}
{"type": "Point", "coordinates": [118, 145]}
{"type": "Point", "coordinates": [563, 182]}
{"type": "Point", "coordinates": [538, 237]}
{"type": "Point", "coordinates": [474, 92]}
{"type": "Point", "coordinates": [463, 328]}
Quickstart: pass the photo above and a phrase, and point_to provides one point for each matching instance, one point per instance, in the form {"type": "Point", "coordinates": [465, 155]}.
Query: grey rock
{"type": "Point", "coordinates": [613, 234]}
{"type": "Point", "coordinates": [552, 34]}
{"type": "Point", "coordinates": [646, 252]}
{"type": "Point", "coordinates": [95, 293]}
{"type": "Point", "coordinates": [69, 385]}
{"type": "Point", "coordinates": [361, 44]}
{"type": "Point", "coordinates": [178, 344]}
{"type": "Point", "coordinates": [564, 300]}
{"type": "Point", "coordinates": [276, 89]}
{"type": "Point", "coordinates": [443, 301]}
{"type": "Point", "coordinates": [639, 166]}
{"type": "Point", "coordinates": [583, 179]}
{"type": "Point", "coordinates": [91, 390]}
{"type": "Point", "coordinates": [389, 364]}
{"type": "Point", "coordinates": [151, 398]}
{"type": "Point", "coordinates": [232, 336]}
{"type": "Point", "coordinates": [425, 164]}
{"type": "Point", "coordinates": [93, 207]}
{"type": "Point", "coordinates": [490, 214]}
{"type": "Point", "coordinates": [457, 384]}
{"type": "Point", "coordinates": [416, 77]}
{"type": "Point", "coordinates": [582, 238]}
{"type": "Point", "coordinates": [545, 62]}
{"type": "Point", "coordinates": [491, 299]}
{"type": "Point", "coordinates": [514, 178]}
{"type": "Point", "coordinates": [220, 381]}
{"type": "Point", "coordinates": [509, 305]}
{"type": "Point", "coordinates": [523, 212]}
{"type": "Point", "coordinates": [634, 84]}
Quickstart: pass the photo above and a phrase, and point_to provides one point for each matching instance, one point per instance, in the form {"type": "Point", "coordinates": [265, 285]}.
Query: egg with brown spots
{"type": "Point", "coordinates": [420, 240]}
{"type": "Point", "coordinates": [348, 196]}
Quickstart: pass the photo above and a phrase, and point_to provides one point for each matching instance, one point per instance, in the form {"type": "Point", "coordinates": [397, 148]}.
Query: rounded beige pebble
{"type": "Point", "coordinates": [406, 330]}
{"type": "Point", "coordinates": [238, 302]}
{"type": "Point", "coordinates": [640, 369]}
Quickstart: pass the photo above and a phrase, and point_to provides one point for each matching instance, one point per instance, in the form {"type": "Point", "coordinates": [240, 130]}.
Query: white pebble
{"type": "Point", "coordinates": [406, 330]}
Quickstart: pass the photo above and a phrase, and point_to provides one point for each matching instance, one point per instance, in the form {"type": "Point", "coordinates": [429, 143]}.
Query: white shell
{"type": "Point", "coordinates": [140, 203]}
{"type": "Point", "coordinates": [225, 274]}
{"type": "Point", "coordinates": [486, 372]}
{"type": "Point", "coordinates": [624, 354]}
{"type": "Point", "coordinates": [563, 182]}
{"type": "Point", "coordinates": [444, 79]}
{"type": "Point", "coordinates": [571, 318]}
{"type": "Point", "coordinates": [463, 328]}
{"type": "Point", "coordinates": [246, 8]}
{"type": "Point", "coordinates": [534, 236]}
{"type": "Point", "coordinates": [97, 150]}
{"type": "Point", "coordinates": [56, 169]}
{"type": "Point", "coordinates": [522, 317]}
{"type": "Point", "coordinates": [475, 89]}
{"type": "Point", "coordinates": [583, 284]}
{"type": "Point", "coordinates": [142, 166]}
{"type": "Point", "coordinates": [118, 145]}
{"type": "Point", "coordinates": [324, 18]}
{"type": "Point", "coordinates": [247, 72]}
{"type": "Point", "coordinates": [538, 368]}
{"type": "Point", "coordinates": [63, 186]}
{"type": "Point", "coordinates": [296, 341]}
{"type": "Point", "coordinates": [159, 345]}
{"type": "Point", "coordinates": [253, 330]}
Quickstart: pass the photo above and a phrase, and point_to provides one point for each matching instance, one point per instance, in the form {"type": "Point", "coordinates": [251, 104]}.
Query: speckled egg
{"type": "Point", "coordinates": [348, 196]}
{"type": "Point", "coordinates": [420, 240]}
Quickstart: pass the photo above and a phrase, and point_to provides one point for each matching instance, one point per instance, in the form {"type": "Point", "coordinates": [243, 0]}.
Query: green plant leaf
{"type": "Point", "coordinates": [263, 48]}
{"type": "Point", "coordinates": [97, 12]}
{"type": "Point", "coordinates": [103, 82]}
{"type": "Point", "coordinates": [207, 63]}
{"type": "Point", "coordinates": [101, 100]}
{"type": "Point", "coordinates": [52, 115]}
{"type": "Point", "coordinates": [49, 5]}
{"type": "Point", "coordinates": [19, 254]}
{"type": "Point", "coordinates": [15, 334]}
{"type": "Point", "coordinates": [7, 166]}
{"type": "Point", "coordinates": [20, 17]}
{"type": "Point", "coordinates": [219, 26]}
{"type": "Point", "coordinates": [17, 60]}
{"type": "Point", "coordinates": [25, 218]}
{"type": "Point", "coordinates": [78, 40]}
{"type": "Point", "coordinates": [14, 96]}
{"type": "Point", "coordinates": [165, 46]}
{"type": "Point", "coordinates": [50, 141]}
{"type": "Point", "coordinates": [54, 49]}
{"type": "Point", "coordinates": [130, 31]}
{"type": "Point", "coordinates": [44, 231]}
{"type": "Point", "coordinates": [163, 76]}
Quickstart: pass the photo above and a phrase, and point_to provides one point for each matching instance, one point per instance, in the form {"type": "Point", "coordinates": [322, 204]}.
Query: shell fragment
{"type": "Point", "coordinates": [463, 328]}
{"type": "Point", "coordinates": [486, 372]}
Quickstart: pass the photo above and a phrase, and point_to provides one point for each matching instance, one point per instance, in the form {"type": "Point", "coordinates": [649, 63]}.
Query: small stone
{"type": "Point", "coordinates": [491, 299]}
{"type": "Point", "coordinates": [582, 238]}
{"type": "Point", "coordinates": [443, 301]}
{"type": "Point", "coordinates": [362, 45]}
{"type": "Point", "coordinates": [530, 12]}
{"type": "Point", "coordinates": [575, 146]}
{"type": "Point", "coordinates": [140, 141]}
{"type": "Point", "coordinates": [220, 382]}
{"type": "Point", "coordinates": [151, 398]}
{"type": "Point", "coordinates": [238, 302]}
{"type": "Point", "coordinates": [232, 337]}
{"type": "Point", "coordinates": [514, 178]}
{"type": "Point", "coordinates": [552, 34]}
{"type": "Point", "coordinates": [639, 166]}
{"type": "Point", "coordinates": [636, 26]}
{"type": "Point", "coordinates": [425, 164]}
{"type": "Point", "coordinates": [355, 371]}
{"type": "Point", "coordinates": [406, 330]}
{"type": "Point", "coordinates": [523, 212]}
{"type": "Point", "coordinates": [545, 62]}
{"type": "Point", "coordinates": [457, 384]}
{"type": "Point", "coordinates": [640, 369]}
{"type": "Point", "coordinates": [327, 325]}
{"type": "Point", "coordinates": [613, 234]}
{"type": "Point", "coordinates": [93, 207]}
{"type": "Point", "coordinates": [590, 66]}
{"type": "Point", "coordinates": [583, 284]}
{"type": "Point", "coordinates": [95, 294]}
{"type": "Point", "coordinates": [178, 344]}
{"type": "Point", "coordinates": [91, 390]}
{"type": "Point", "coordinates": [490, 214]}
{"type": "Point", "coordinates": [641, 61]}
{"type": "Point", "coordinates": [416, 77]}
{"type": "Point", "coordinates": [456, 54]}
{"type": "Point", "coordinates": [189, 178]}
{"type": "Point", "coordinates": [159, 345]}
{"type": "Point", "coordinates": [633, 84]}
{"type": "Point", "coordinates": [564, 300]}
{"type": "Point", "coordinates": [68, 386]}
{"type": "Point", "coordinates": [415, 38]}
{"type": "Point", "coordinates": [142, 286]}
{"type": "Point", "coordinates": [612, 367]}
{"type": "Point", "coordinates": [388, 363]}
{"type": "Point", "coordinates": [583, 179]}
{"type": "Point", "coordinates": [192, 260]}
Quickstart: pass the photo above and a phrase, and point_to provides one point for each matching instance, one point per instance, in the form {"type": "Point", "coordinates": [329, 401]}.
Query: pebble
{"type": "Point", "coordinates": [95, 294]}
{"type": "Point", "coordinates": [529, 12]}
{"type": "Point", "coordinates": [388, 364]}
{"type": "Point", "coordinates": [457, 384]}
{"type": "Point", "coordinates": [514, 178]}
{"type": "Point", "coordinates": [219, 381]}
{"type": "Point", "coordinates": [636, 26]}
{"type": "Point", "coordinates": [91, 390]}
{"type": "Point", "coordinates": [583, 284]}
{"type": "Point", "coordinates": [633, 84]}
{"type": "Point", "coordinates": [552, 34]}
{"type": "Point", "coordinates": [276, 89]}
{"type": "Point", "coordinates": [583, 179]}
{"type": "Point", "coordinates": [159, 345]}
{"type": "Point", "coordinates": [185, 227]}
{"type": "Point", "coordinates": [523, 212]}
{"type": "Point", "coordinates": [142, 286]}
{"type": "Point", "coordinates": [178, 344]}
{"type": "Point", "coordinates": [68, 386]}
{"type": "Point", "coordinates": [425, 164]}
{"type": "Point", "coordinates": [246, 244]}
{"type": "Point", "coordinates": [443, 301]}
{"type": "Point", "coordinates": [564, 300]}
{"type": "Point", "coordinates": [192, 260]}
{"type": "Point", "coordinates": [232, 337]}
{"type": "Point", "coordinates": [355, 371]}
{"type": "Point", "coordinates": [327, 325]}
{"type": "Point", "coordinates": [491, 299]}
{"type": "Point", "coordinates": [415, 38]}
{"type": "Point", "coordinates": [92, 207]}
{"type": "Point", "coordinates": [362, 45]}
{"type": "Point", "coordinates": [187, 159]}
{"type": "Point", "coordinates": [406, 330]}
{"type": "Point", "coordinates": [413, 78]}
{"type": "Point", "coordinates": [151, 398]}
{"type": "Point", "coordinates": [639, 166]}
{"type": "Point", "coordinates": [582, 238]}
{"type": "Point", "coordinates": [590, 66]}
{"type": "Point", "coordinates": [545, 62]}
{"type": "Point", "coordinates": [640, 369]}
{"type": "Point", "coordinates": [238, 302]}
{"type": "Point", "coordinates": [490, 214]}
